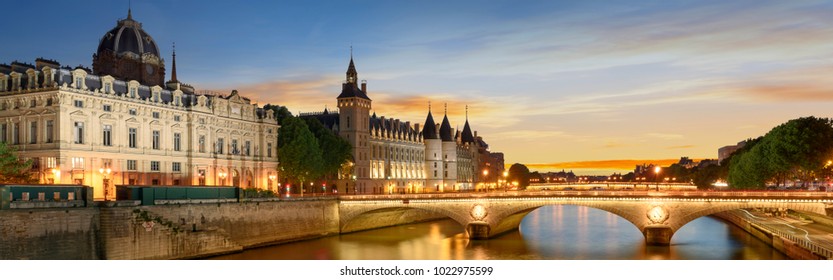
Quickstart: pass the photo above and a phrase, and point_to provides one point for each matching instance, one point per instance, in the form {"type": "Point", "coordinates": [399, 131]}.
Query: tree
{"type": "Point", "coordinates": [797, 149]}
{"type": "Point", "coordinates": [335, 151]}
{"type": "Point", "coordinates": [281, 112]}
{"type": "Point", "coordinates": [13, 169]}
{"type": "Point", "coordinates": [704, 177]}
{"type": "Point", "coordinates": [299, 152]}
{"type": "Point", "coordinates": [519, 173]}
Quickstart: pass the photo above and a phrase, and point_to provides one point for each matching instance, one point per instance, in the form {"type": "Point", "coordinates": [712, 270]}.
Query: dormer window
{"type": "Point", "coordinates": [107, 87]}
{"type": "Point", "coordinates": [78, 82]}
{"type": "Point", "coordinates": [132, 92]}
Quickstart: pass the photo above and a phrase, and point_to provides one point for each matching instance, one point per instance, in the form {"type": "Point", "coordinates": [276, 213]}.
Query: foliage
{"type": "Point", "coordinates": [798, 149]}
{"type": "Point", "coordinates": [299, 152]}
{"type": "Point", "coordinates": [335, 151]}
{"type": "Point", "coordinates": [12, 168]}
{"type": "Point", "coordinates": [281, 112]}
{"type": "Point", "coordinates": [257, 193]}
{"type": "Point", "coordinates": [519, 173]}
{"type": "Point", "coordinates": [705, 176]}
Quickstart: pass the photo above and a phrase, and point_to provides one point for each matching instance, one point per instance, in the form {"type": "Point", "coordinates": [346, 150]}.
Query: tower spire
{"type": "Point", "coordinates": [173, 65]}
{"type": "Point", "coordinates": [445, 110]}
{"type": "Point", "coordinates": [129, 14]}
{"type": "Point", "coordinates": [467, 112]}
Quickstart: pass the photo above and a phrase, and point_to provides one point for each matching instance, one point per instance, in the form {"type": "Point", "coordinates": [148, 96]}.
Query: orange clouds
{"type": "Point", "coordinates": [793, 92]}
{"type": "Point", "coordinates": [617, 164]}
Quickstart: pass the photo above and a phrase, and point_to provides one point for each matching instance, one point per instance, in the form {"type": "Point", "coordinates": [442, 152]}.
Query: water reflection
{"type": "Point", "coordinates": [552, 232]}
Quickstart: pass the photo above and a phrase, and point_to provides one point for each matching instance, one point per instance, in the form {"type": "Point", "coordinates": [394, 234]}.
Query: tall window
{"type": "Point", "coordinates": [106, 137]}
{"type": "Point", "coordinates": [79, 133]}
{"type": "Point", "coordinates": [131, 164]}
{"type": "Point", "coordinates": [33, 132]}
{"type": "Point", "coordinates": [154, 166]}
{"type": "Point", "coordinates": [131, 137]}
{"type": "Point", "coordinates": [234, 147]}
{"type": "Point", "coordinates": [247, 148]}
{"type": "Point", "coordinates": [132, 92]}
{"type": "Point", "coordinates": [268, 149]}
{"type": "Point", "coordinates": [107, 87]}
{"type": "Point", "coordinates": [78, 81]}
{"type": "Point", "coordinates": [156, 140]}
{"type": "Point", "coordinates": [78, 163]}
{"type": "Point", "coordinates": [220, 145]}
{"type": "Point", "coordinates": [348, 121]}
{"type": "Point", "coordinates": [50, 127]}
{"type": "Point", "coordinates": [177, 137]}
{"type": "Point", "coordinates": [176, 167]}
{"type": "Point", "coordinates": [3, 133]}
{"type": "Point", "coordinates": [202, 144]}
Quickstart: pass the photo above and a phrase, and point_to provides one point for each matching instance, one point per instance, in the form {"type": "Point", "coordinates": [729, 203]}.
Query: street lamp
{"type": "Point", "coordinates": [272, 178]}
{"type": "Point", "coordinates": [56, 175]}
{"type": "Point", "coordinates": [656, 171]}
{"type": "Point", "coordinates": [105, 182]}
{"type": "Point", "coordinates": [222, 177]}
{"type": "Point", "coordinates": [486, 178]}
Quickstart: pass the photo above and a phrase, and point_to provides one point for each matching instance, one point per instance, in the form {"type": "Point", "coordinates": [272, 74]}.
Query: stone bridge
{"type": "Point", "coordinates": [658, 215]}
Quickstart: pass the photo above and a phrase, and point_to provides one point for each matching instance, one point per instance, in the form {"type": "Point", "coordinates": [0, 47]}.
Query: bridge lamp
{"type": "Point", "coordinates": [56, 173]}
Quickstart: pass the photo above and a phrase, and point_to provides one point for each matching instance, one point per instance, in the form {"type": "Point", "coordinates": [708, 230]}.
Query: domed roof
{"type": "Point", "coordinates": [128, 36]}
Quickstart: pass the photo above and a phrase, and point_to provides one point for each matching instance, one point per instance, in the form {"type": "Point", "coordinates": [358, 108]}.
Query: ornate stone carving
{"type": "Point", "coordinates": [478, 212]}
{"type": "Point", "coordinates": [657, 215]}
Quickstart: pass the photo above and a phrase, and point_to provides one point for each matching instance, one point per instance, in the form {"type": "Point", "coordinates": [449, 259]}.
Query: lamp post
{"type": "Point", "coordinates": [56, 175]}
{"type": "Point", "coordinates": [105, 182]}
{"type": "Point", "coordinates": [486, 179]}
{"type": "Point", "coordinates": [272, 178]}
{"type": "Point", "coordinates": [656, 171]}
{"type": "Point", "coordinates": [222, 177]}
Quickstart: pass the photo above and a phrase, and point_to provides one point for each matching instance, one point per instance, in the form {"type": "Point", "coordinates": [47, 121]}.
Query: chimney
{"type": "Point", "coordinates": [475, 134]}
{"type": "Point", "coordinates": [416, 127]}
{"type": "Point", "coordinates": [364, 86]}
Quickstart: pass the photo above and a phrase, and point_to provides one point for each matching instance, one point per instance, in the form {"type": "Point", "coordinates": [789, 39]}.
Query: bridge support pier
{"type": "Point", "coordinates": [478, 230]}
{"type": "Point", "coordinates": [658, 235]}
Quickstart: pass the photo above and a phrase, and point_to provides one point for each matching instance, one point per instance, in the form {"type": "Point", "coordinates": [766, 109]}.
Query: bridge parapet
{"type": "Point", "coordinates": [658, 215]}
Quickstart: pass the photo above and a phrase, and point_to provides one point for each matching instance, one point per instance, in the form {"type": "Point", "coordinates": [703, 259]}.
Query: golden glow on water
{"type": "Point", "coordinates": [551, 232]}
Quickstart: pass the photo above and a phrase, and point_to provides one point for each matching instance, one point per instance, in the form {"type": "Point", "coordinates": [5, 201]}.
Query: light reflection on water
{"type": "Point", "coordinates": [551, 232]}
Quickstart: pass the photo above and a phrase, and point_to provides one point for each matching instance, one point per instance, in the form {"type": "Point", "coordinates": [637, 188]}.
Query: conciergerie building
{"type": "Point", "coordinates": [122, 123]}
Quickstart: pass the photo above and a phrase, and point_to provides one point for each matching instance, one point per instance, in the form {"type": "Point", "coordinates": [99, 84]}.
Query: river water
{"type": "Point", "coordinates": [548, 233]}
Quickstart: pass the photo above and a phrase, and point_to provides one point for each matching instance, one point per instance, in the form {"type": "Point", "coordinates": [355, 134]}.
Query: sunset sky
{"type": "Point", "coordinates": [546, 81]}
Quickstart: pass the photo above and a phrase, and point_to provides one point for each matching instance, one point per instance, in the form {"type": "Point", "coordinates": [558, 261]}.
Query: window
{"type": "Point", "coordinates": [176, 167]}
{"type": "Point", "coordinates": [78, 163]}
{"type": "Point", "coordinates": [156, 97]}
{"type": "Point", "coordinates": [108, 108]}
{"type": "Point", "coordinates": [49, 102]}
{"type": "Point", "coordinates": [106, 163]}
{"type": "Point", "coordinates": [155, 115]}
{"type": "Point", "coordinates": [154, 166]}
{"type": "Point", "coordinates": [50, 127]}
{"type": "Point", "coordinates": [78, 82]}
{"type": "Point", "coordinates": [131, 164]}
{"type": "Point", "coordinates": [33, 132]}
{"type": "Point", "coordinates": [132, 92]}
{"type": "Point", "coordinates": [78, 103]}
{"type": "Point", "coordinates": [132, 112]}
{"type": "Point", "coordinates": [234, 147]}
{"type": "Point", "coordinates": [176, 118]}
{"type": "Point", "coordinates": [79, 133]}
{"type": "Point", "coordinates": [348, 121]}
{"type": "Point", "coordinates": [155, 140]}
{"type": "Point", "coordinates": [219, 148]}
{"type": "Point", "coordinates": [107, 88]}
{"type": "Point", "coordinates": [33, 103]}
{"type": "Point", "coordinates": [268, 149]}
{"type": "Point", "coordinates": [51, 162]}
{"type": "Point", "coordinates": [435, 173]}
{"type": "Point", "coordinates": [131, 137]}
{"type": "Point", "coordinates": [177, 137]}
{"type": "Point", "coordinates": [202, 144]}
{"type": "Point", "coordinates": [248, 148]}
{"type": "Point", "coordinates": [106, 137]}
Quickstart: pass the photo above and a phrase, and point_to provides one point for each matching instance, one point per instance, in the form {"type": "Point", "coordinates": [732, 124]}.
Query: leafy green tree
{"type": "Point", "coordinates": [281, 112]}
{"type": "Point", "coordinates": [300, 155]}
{"type": "Point", "coordinates": [704, 177]}
{"type": "Point", "coordinates": [519, 173]}
{"type": "Point", "coordinates": [335, 151]}
{"type": "Point", "coordinates": [797, 149]}
{"type": "Point", "coordinates": [12, 168]}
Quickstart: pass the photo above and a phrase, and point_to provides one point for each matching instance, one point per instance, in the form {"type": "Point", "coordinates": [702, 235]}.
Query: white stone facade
{"type": "Point", "coordinates": [76, 124]}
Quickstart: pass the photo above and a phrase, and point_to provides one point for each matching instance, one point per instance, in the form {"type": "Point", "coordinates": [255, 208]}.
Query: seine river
{"type": "Point", "coordinates": [548, 233]}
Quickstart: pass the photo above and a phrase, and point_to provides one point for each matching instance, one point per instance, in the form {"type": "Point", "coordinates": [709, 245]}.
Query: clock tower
{"type": "Point", "coordinates": [354, 124]}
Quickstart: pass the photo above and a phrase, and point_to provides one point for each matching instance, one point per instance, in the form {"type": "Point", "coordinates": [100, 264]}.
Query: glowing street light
{"type": "Point", "coordinates": [105, 182]}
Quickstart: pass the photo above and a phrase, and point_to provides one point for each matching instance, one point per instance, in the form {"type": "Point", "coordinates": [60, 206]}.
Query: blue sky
{"type": "Point", "coordinates": [547, 81]}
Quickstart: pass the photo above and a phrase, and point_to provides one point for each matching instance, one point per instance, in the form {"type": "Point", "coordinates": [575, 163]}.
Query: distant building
{"type": "Point", "coordinates": [394, 156]}
{"type": "Point", "coordinates": [726, 151]}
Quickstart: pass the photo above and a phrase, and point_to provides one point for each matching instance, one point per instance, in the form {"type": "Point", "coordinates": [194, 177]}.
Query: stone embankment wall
{"type": "Point", "coordinates": [786, 246]}
{"type": "Point", "coordinates": [49, 234]}
{"type": "Point", "coordinates": [198, 230]}
{"type": "Point", "coordinates": [125, 230]}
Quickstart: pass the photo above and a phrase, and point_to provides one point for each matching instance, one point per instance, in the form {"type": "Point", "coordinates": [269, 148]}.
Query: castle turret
{"type": "Point", "coordinates": [449, 155]}
{"type": "Point", "coordinates": [354, 125]}
{"type": "Point", "coordinates": [433, 154]}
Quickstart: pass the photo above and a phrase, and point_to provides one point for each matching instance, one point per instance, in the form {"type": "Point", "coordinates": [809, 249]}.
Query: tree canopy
{"type": "Point", "coordinates": [12, 168]}
{"type": "Point", "coordinates": [796, 150]}
{"type": "Point", "coordinates": [300, 155]}
{"type": "Point", "coordinates": [519, 173]}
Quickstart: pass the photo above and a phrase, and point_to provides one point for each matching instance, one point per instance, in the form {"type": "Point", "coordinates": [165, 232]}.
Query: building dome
{"type": "Point", "coordinates": [128, 37]}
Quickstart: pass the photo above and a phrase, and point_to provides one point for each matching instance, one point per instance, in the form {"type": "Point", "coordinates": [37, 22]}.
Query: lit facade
{"type": "Point", "coordinates": [100, 130]}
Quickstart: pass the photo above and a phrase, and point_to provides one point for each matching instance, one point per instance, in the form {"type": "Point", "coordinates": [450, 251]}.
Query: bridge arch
{"type": "Point", "coordinates": [359, 217]}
